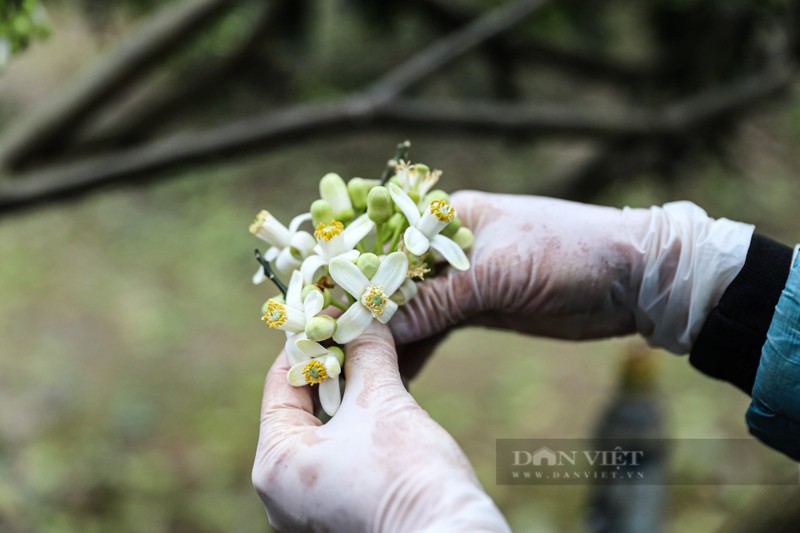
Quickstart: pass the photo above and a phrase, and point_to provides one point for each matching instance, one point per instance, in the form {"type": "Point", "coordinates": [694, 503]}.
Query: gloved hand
{"type": "Point", "coordinates": [381, 464]}
{"type": "Point", "coordinates": [574, 271]}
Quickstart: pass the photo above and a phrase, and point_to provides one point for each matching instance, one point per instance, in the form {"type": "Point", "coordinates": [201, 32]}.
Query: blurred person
{"type": "Point", "coordinates": [686, 282]}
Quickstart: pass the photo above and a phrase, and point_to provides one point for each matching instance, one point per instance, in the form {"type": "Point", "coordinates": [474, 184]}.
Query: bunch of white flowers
{"type": "Point", "coordinates": [354, 260]}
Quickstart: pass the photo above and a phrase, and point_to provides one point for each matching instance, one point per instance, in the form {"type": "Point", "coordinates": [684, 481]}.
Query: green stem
{"type": "Point", "coordinates": [395, 237]}
{"type": "Point", "coordinates": [338, 304]}
{"type": "Point", "coordinates": [379, 239]}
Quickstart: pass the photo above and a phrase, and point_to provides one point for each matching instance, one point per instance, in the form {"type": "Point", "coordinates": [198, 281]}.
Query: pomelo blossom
{"type": "Point", "coordinates": [288, 246]}
{"type": "Point", "coordinates": [372, 295]}
{"type": "Point", "coordinates": [424, 229]}
{"type": "Point", "coordinates": [334, 240]}
{"type": "Point", "coordinates": [292, 315]}
{"type": "Point", "coordinates": [313, 364]}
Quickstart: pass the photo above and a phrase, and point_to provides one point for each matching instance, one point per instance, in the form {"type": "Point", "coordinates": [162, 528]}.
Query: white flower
{"type": "Point", "coordinates": [288, 245]}
{"type": "Point", "coordinates": [335, 240]}
{"type": "Point", "coordinates": [416, 178]}
{"type": "Point", "coordinates": [313, 364]}
{"type": "Point", "coordinates": [372, 295]}
{"type": "Point", "coordinates": [293, 315]}
{"type": "Point", "coordinates": [423, 231]}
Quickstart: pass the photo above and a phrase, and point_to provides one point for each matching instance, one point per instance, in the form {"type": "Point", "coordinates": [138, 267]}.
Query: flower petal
{"type": "Point", "coordinates": [286, 262]}
{"type": "Point", "coordinates": [357, 230]}
{"type": "Point", "coordinates": [295, 376]}
{"type": "Point", "coordinates": [332, 366]}
{"type": "Point", "coordinates": [429, 225]}
{"type": "Point", "coordinates": [451, 252]}
{"type": "Point", "coordinates": [310, 266]}
{"type": "Point", "coordinates": [388, 312]}
{"type": "Point", "coordinates": [409, 290]}
{"type": "Point", "coordinates": [415, 241]}
{"type": "Point", "coordinates": [295, 289]}
{"type": "Point", "coordinates": [293, 353]}
{"type": "Point", "coordinates": [313, 303]}
{"type": "Point", "coordinates": [405, 203]}
{"type": "Point", "coordinates": [329, 396]}
{"type": "Point", "coordinates": [352, 323]}
{"type": "Point", "coordinates": [310, 348]}
{"type": "Point", "coordinates": [391, 273]}
{"type": "Point", "coordinates": [304, 243]}
{"type": "Point", "coordinates": [271, 253]}
{"type": "Point", "coordinates": [347, 275]}
{"type": "Point", "coordinates": [297, 221]}
{"type": "Point", "coordinates": [259, 276]}
{"type": "Point", "coordinates": [351, 256]}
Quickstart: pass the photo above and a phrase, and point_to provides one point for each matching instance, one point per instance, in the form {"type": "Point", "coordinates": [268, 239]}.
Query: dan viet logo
{"type": "Point", "coordinates": [553, 465]}
{"type": "Point", "coordinates": [544, 456]}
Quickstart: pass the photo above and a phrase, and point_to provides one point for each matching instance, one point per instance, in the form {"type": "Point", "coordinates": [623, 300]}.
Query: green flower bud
{"type": "Point", "coordinates": [451, 229]}
{"type": "Point", "coordinates": [307, 289]}
{"type": "Point", "coordinates": [379, 205]}
{"type": "Point", "coordinates": [414, 195]}
{"type": "Point", "coordinates": [358, 188]}
{"type": "Point", "coordinates": [436, 194]}
{"type": "Point", "coordinates": [320, 328]}
{"type": "Point", "coordinates": [368, 264]}
{"type": "Point", "coordinates": [321, 212]}
{"type": "Point", "coordinates": [464, 238]}
{"type": "Point", "coordinates": [333, 190]}
{"type": "Point", "coordinates": [338, 353]}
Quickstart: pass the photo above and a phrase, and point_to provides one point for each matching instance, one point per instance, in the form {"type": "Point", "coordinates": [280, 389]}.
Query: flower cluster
{"type": "Point", "coordinates": [367, 242]}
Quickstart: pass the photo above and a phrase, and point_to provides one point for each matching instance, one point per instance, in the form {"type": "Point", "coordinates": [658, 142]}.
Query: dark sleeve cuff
{"type": "Point", "coordinates": [729, 345]}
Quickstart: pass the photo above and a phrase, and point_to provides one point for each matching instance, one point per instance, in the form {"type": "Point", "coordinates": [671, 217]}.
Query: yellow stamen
{"type": "Point", "coordinates": [261, 217]}
{"type": "Point", "coordinates": [375, 299]}
{"type": "Point", "coordinates": [328, 231]}
{"type": "Point", "coordinates": [275, 315]}
{"type": "Point", "coordinates": [315, 372]}
{"type": "Point", "coordinates": [443, 211]}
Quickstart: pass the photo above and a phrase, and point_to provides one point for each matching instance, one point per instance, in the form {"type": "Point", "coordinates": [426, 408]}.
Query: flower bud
{"type": "Point", "coordinates": [321, 212]}
{"type": "Point", "coordinates": [335, 350]}
{"type": "Point", "coordinates": [379, 205]}
{"type": "Point", "coordinates": [451, 229]}
{"type": "Point", "coordinates": [464, 238]}
{"type": "Point", "coordinates": [414, 195]}
{"type": "Point", "coordinates": [326, 298]}
{"type": "Point", "coordinates": [333, 190]}
{"type": "Point", "coordinates": [320, 328]}
{"type": "Point", "coordinates": [368, 264]}
{"type": "Point", "coordinates": [436, 194]}
{"type": "Point", "coordinates": [358, 188]}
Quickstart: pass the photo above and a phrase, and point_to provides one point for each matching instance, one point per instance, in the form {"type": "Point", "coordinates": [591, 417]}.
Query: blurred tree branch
{"type": "Point", "coordinates": [631, 138]}
{"type": "Point", "coordinates": [37, 134]}
{"type": "Point", "coordinates": [360, 112]}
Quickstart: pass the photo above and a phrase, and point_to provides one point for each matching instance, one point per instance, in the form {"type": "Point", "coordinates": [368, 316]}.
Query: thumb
{"type": "Point", "coordinates": [371, 371]}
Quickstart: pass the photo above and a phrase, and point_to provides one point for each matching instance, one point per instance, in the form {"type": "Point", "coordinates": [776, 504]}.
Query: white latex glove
{"type": "Point", "coordinates": [574, 271]}
{"type": "Point", "coordinates": [381, 464]}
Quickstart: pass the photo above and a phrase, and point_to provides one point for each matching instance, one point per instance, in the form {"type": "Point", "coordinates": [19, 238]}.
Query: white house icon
{"type": "Point", "coordinates": [545, 456]}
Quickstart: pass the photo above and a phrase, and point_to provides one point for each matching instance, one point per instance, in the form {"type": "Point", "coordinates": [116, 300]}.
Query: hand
{"type": "Point", "coordinates": [574, 271]}
{"type": "Point", "coordinates": [381, 464]}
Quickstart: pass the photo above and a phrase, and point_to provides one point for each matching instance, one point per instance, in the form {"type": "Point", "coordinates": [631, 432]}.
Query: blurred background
{"type": "Point", "coordinates": [139, 138]}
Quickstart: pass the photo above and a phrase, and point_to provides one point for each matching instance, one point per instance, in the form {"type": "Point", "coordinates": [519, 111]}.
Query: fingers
{"type": "Point", "coordinates": [371, 368]}
{"type": "Point", "coordinates": [284, 405]}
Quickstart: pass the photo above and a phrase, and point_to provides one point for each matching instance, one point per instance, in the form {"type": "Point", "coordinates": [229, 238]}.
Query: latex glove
{"type": "Point", "coordinates": [574, 271]}
{"type": "Point", "coordinates": [381, 464]}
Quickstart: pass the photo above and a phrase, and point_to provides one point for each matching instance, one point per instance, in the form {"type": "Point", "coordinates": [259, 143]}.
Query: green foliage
{"type": "Point", "coordinates": [21, 21]}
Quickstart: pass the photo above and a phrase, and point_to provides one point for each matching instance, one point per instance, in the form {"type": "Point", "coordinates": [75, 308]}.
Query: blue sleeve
{"type": "Point", "coordinates": [774, 413]}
